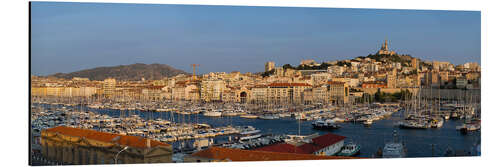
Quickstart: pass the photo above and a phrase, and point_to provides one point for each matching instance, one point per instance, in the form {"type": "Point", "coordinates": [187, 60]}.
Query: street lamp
{"type": "Point", "coordinates": [116, 156]}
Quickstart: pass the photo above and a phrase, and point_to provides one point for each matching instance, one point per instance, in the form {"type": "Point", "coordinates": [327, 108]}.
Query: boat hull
{"type": "Point", "coordinates": [326, 127]}
{"type": "Point", "coordinates": [350, 152]}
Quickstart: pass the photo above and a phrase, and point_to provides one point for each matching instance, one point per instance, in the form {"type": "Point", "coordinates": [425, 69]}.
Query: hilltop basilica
{"type": "Point", "coordinates": [384, 50]}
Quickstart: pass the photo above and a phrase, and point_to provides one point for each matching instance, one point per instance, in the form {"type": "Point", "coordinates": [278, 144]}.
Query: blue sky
{"type": "Point", "coordinates": [67, 37]}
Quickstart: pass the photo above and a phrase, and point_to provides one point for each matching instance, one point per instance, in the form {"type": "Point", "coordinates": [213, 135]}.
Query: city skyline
{"type": "Point", "coordinates": [259, 83]}
{"type": "Point", "coordinates": [68, 37]}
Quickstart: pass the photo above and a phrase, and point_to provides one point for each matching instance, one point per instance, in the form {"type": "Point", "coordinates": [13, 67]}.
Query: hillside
{"type": "Point", "coordinates": [405, 60]}
{"type": "Point", "coordinates": [125, 72]}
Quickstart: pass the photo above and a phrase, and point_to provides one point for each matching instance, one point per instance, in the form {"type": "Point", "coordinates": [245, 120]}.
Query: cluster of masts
{"type": "Point", "coordinates": [47, 116]}
{"type": "Point", "coordinates": [423, 113]}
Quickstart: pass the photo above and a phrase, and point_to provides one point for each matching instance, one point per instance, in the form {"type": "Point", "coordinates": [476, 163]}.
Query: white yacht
{"type": "Point", "coordinates": [249, 116]}
{"type": "Point", "coordinates": [212, 114]}
{"type": "Point", "coordinates": [328, 124]}
{"type": "Point", "coordinates": [248, 133]}
{"type": "Point", "coordinates": [268, 116]}
{"type": "Point", "coordinates": [368, 122]}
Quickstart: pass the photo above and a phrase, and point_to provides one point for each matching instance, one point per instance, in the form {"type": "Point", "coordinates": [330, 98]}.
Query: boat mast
{"type": "Point", "coordinates": [439, 101]}
{"type": "Point", "coordinates": [300, 117]}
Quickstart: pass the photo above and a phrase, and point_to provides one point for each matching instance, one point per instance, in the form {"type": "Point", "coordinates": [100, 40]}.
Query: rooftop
{"type": "Point", "coordinates": [336, 83]}
{"type": "Point", "coordinates": [288, 84]}
{"type": "Point", "coordinates": [317, 143]}
{"type": "Point", "coordinates": [219, 153]}
{"type": "Point", "coordinates": [132, 141]}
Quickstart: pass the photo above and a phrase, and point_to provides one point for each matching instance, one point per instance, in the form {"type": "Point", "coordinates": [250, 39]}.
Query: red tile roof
{"type": "Point", "coordinates": [283, 148]}
{"type": "Point", "coordinates": [181, 82]}
{"type": "Point", "coordinates": [310, 148]}
{"type": "Point", "coordinates": [335, 83]}
{"type": "Point", "coordinates": [154, 87]}
{"type": "Point", "coordinates": [218, 153]}
{"type": "Point", "coordinates": [259, 86]}
{"type": "Point", "coordinates": [327, 139]}
{"type": "Point", "coordinates": [318, 143]}
{"type": "Point", "coordinates": [132, 141]}
{"type": "Point", "coordinates": [373, 82]}
{"type": "Point", "coordinates": [289, 84]}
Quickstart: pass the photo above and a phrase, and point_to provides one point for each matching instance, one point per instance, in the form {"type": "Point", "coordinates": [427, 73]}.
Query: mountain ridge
{"type": "Point", "coordinates": [132, 72]}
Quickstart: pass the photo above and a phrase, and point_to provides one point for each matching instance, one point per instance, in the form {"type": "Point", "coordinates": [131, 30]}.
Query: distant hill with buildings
{"type": "Point", "coordinates": [386, 55]}
{"type": "Point", "coordinates": [131, 72]}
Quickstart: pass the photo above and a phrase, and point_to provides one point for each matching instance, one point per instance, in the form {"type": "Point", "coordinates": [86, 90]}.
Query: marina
{"type": "Point", "coordinates": [226, 83]}
{"type": "Point", "coordinates": [182, 130]}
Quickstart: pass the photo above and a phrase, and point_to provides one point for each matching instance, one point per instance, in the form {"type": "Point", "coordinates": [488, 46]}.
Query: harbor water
{"type": "Point", "coordinates": [418, 142]}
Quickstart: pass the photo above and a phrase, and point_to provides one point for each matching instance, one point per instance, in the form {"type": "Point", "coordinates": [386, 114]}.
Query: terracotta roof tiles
{"type": "Point", "coordinates": [318, 143]}
{"type": "Point", "coordinates": [335, 83]}
{"type": "Point", "coordinates": [133, 141]}
{"type": "Point", "coordinates": [218, 153]}
{"type": "Point", "coordinates": [283, 148]}
{"type": "Point", "coordinates": [327, 139]}
{"type": "Point", "coordinates": [289, 84]}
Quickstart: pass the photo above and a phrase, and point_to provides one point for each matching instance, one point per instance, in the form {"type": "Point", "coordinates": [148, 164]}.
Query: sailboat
{"type": "Point", "coordinates": [414, 120]}
{"type": "Point", "coordinates": [471, 123]}
{"type": "Point", "coordinates": [469, 126]}
{"type": "Point", "coordinates": [436, 120]}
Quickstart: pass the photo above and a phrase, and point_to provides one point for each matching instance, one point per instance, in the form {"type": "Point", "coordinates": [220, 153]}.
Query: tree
{"type": "Point", "coordinates": [268, 73]}
{"type": "Point", "coordinates": [288, 66]}
{"type": "Point", "coordinates": [403, 95]}
{"type": "Point", "coordinates": [324, 66]}
{"type": "Point", "coordinates": [342, 63]}
{"type": "Point", "coordinates": [378, 95]}
{"type": "Point", "coordinates": [391, 97]}
{"type": "Point", "coordinates": [366, 98]}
